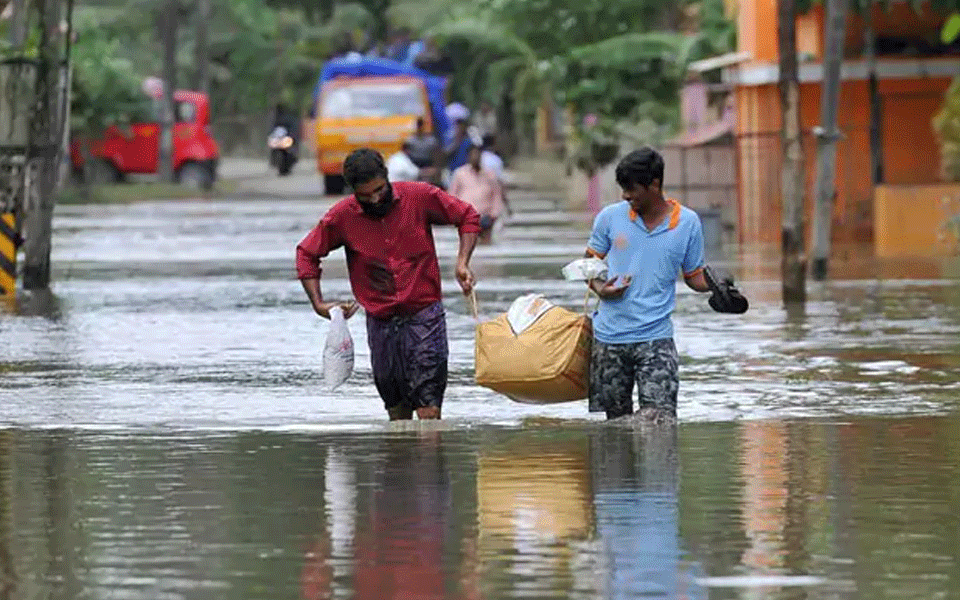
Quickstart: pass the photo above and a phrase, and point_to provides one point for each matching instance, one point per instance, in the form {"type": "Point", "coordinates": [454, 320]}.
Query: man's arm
{"type": "Point", "coordinates": [468, 241]}
{"type": "Point", "coordinates": [456, 183]}
{"type": "Point", "coordinates": [318, 243]}
{"type": "Point", "coordinates": [696, 281]}
{"type": "Point", "coordinates": [499, 200]}
{"type": "Point", "coordinates": [606, 289]}
{"type": "Point", "coordinates": [445, 209]}
{"type": "Point", "coordinates": [312, 287]}
{"type": "Point", "coordinates": [693, 260]}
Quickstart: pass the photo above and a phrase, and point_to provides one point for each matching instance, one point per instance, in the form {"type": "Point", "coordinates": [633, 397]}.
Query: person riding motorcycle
{"type": "Point", "coordinates": [284, 117]}
{"type": "Point", "coordinates": [286, 124]}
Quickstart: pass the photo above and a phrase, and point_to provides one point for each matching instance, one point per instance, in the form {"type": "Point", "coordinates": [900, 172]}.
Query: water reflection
{"type": "Point", "coordinates": [393, 524]}
{"type": "Point", "coordinates": [799, 509]}
{"type": "Point", "coordinates": [534, 498]}
{"type": "Point", "coordinates": [32, 303]}
{"type": "Point", "coordinates": [636, 484]}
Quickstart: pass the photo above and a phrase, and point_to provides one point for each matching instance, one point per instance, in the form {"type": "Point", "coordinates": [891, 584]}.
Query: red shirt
{"type": "Point", "coordinates": [392, 261]}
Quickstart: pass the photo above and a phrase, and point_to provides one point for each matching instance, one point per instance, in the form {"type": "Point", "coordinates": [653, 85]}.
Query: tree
{"type": "Point", "coordinates": [105, 91]}
{"type": "Point", "coordinates": [951, 29]}
{"type": "Point", "coordinates": [793, 264]}
{"type": "Point", "coordinates": [827, 137]}
{"type": "Point", "coordinates": [947, 121]}
{"type": "Point", "coordinates": [595, 57]}
{"type": "Point", "coordinates": [168, 31]}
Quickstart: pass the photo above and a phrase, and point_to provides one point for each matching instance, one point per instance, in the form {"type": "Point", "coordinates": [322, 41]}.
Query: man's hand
{"type": "Point", "coordinates": [609, 290]}
{"type": "Point", "coordinates": [726, 298]}
{"type": "Point", "coordinates": [465, 278]}
{"type": "Point", "coordinates": [349, 308]}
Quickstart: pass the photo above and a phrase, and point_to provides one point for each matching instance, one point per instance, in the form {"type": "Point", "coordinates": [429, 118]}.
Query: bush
{"type": "Point", "coordinates": [946, 123]}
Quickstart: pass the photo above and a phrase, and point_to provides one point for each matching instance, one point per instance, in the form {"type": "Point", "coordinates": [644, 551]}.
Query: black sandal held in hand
{"type": "Point", "coordinates": [726, 298]}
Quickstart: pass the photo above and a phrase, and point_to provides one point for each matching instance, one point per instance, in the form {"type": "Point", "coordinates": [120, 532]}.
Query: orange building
{"type": "Point", "coordinates": [913, 73]}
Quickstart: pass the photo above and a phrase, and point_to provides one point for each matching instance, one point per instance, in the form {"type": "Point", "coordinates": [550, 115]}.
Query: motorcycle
{"type": "Point", "coordinates": [283, 153]}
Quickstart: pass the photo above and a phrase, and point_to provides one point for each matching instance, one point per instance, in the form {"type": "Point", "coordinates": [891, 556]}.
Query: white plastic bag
{"type": "Point", "coordinates": [337, 351]}
{"type": "Point", "coordinates": [525, 311]}
{"type": "Point", "coordinates": [585, 269]}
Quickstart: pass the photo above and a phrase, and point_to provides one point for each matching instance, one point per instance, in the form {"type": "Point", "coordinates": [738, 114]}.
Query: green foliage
{"type": "Point", "coordinates": [946, 123]}
{"type": "Point", "coordinates": [620, 60]}
{"type": "Point", "coordinates": [259, 53]}
{"type": "Point", "coordinates": [554, 26]}
{"type": "Point", "coordinates": [105, 88]}
{"type": "Point", "coordinates": [718, 32]}
{"type": "Point", "coordinates": [617, 76]}
{"type": "Point", "coordinates": [951, 29]}
{"type": "Point", "coordinates": [623, 60]}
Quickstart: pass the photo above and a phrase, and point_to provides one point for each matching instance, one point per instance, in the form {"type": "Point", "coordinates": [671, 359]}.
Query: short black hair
{"type": "Point", "coordinates": [640, 166]}
{"type": "Point", "coordinates": [363, 165]}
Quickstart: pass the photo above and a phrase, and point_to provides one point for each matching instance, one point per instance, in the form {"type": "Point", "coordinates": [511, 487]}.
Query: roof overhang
{"type": "Point", "coordinates": [900, 68]}
{"type": "Point", "coordinates": [718, 62]}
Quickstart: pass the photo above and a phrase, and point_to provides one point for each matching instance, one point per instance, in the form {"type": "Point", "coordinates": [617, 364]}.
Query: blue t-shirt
{"type": "Point", "coordinates": [461, 156]}
{"type": "Point", "coordinates": [653, 259]}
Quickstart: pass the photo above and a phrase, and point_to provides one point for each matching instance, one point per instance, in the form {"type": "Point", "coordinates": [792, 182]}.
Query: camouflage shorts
{"type": "Point", "coordinates": [614, 368]}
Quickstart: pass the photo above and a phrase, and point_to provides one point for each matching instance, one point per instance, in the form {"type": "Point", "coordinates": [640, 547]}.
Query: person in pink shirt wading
{"type": "Point", "coordinates": [386, 231]}
{"type": "Point", "coordinates": [481, 188]}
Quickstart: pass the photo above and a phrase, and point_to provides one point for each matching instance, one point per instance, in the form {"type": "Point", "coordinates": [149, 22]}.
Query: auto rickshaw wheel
{"type": "Point", "coordinates": [101, 171]}
{"type": "Point", "coordinates": [195, 175]}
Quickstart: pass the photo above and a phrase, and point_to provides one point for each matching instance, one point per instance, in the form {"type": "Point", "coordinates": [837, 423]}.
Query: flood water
{"type": "Point", "coordinates": [166, 434]}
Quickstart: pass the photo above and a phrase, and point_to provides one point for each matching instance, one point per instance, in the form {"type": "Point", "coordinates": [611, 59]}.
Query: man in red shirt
{"type": "Point", "coordinates": [386, 230]}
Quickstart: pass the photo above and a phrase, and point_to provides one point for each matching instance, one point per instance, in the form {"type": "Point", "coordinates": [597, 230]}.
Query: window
{"type": "Point", "coordinates": [373, 100]}
{"type": "Point", "coordinates": [186, 112]}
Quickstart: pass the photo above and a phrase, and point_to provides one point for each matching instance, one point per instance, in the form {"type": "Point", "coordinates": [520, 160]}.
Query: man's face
{"type": "Point", "coordinates": [372, 192]}
{"type": "Point", "coordinates": [641, 197]}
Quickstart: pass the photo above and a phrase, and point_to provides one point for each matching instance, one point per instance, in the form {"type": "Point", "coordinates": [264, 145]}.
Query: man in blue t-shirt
{"type": "Point", "coordinates": [646, 241]}
{"type": "Point", "coordinates": [457, 149]}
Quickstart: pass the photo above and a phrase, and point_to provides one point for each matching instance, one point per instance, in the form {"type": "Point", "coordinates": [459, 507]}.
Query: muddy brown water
{"type": "Point", "coordinates": [166, 434]}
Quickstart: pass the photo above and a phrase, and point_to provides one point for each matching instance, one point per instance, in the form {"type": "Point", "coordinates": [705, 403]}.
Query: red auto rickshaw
{"type": "Point", "coordinates": [121, 151]}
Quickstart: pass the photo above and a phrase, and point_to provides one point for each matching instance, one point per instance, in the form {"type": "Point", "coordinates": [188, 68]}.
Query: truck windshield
{"type": "Point", "coordinates": [373, 100]}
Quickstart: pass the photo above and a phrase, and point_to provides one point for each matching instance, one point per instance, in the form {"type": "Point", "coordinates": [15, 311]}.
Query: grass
{"type": "Point", "coordinates": [126, 193]}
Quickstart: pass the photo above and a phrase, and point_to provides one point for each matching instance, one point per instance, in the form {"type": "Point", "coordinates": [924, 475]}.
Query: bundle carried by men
{"type": "Point", "coordinates": [536, 352]}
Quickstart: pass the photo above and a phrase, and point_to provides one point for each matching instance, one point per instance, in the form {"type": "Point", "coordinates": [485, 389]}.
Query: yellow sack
{"type": "Point", "coordinates": [548, 361]}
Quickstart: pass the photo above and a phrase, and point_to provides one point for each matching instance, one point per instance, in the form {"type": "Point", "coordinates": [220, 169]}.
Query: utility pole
{"type": "Point", "coordinates": [41, 163]}
{"type": "Point", "coordinates": [870, 58]}
{"type": "Point", "coordinates": [827, 137]}
{"type": "Point", "coordinates": [18, 23]}
{"type": "Point", "coordinates": [793, 261]}
{"type": "Point", "coordinates": [203, 46]}
{"type": "Point", "coordinates": [168, 34]}
{"type": "Point", "coordinates": [65, 94]}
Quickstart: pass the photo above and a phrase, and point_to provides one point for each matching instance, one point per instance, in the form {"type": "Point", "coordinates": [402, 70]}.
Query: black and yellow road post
{"type": "Point", "coordinates": [9, 241]}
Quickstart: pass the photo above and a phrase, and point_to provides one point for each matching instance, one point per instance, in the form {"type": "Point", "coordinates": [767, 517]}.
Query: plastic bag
{"type": "Point", "coordinates": [337, 351]}
{"type": "Point", "coordinates": [585, 269]}
{"type": "Point", "coordinates": [525, 310]}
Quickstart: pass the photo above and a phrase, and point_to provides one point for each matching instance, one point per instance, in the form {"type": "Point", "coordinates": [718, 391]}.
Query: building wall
{"type": "Point", "coordinates": [757, 27]}
{"type": "Point", "coordinates": [914, 220]}
{"type": "Point", "coordinates": [909, 146]}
